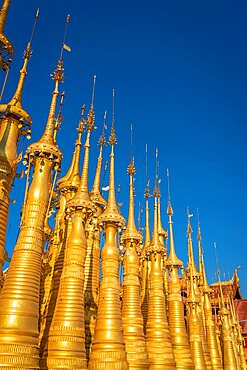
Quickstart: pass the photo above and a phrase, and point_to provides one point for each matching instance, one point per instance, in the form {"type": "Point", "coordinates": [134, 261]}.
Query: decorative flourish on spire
{"type": "Point", "coordinates": [172, 260]}
{"type": "Point", "coordinates": [15, 104]}
{"type": "Point", "coordinates": [111, 212]}
{"type": "Point", "coordinates": [6, 48]}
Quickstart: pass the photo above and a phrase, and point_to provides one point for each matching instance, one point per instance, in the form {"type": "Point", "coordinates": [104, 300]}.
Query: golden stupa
{"type": "Point", "coordinates": [65, 306]}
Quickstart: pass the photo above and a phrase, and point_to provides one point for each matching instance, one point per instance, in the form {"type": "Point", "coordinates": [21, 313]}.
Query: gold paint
{"type": "Point", "coordinates": [158, 340]}
{"type": "Point", "coordinates": [131, 307]}
{"type": "Point", "coordinates": [179, 336]}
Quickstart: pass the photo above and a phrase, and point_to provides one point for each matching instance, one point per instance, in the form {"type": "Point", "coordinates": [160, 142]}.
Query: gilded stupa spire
{"type": "Point", "coordinates": [179, 336]}
{"type": "Point", "coordinates": [6, 48]}
{"type": "Point", "coordinates": [210, 327]}
{"type": "Point", "coordinates": [22, 284]}
{"type": "Point", "coordinates": [146, 263]}
{"type": "Point", "coordinates": [92, 262]}
{"type": "Point", "coordinates": [194, 275]}
{"type": "Point", "coordinates": [228, 352]}
{"type": "Point", "coordinates": [95, 193]}
{"type": "Point", "coordinates": [108, 344]}
{"type": "Point", "coordinates": [69, 310]}
{"type": "Point", "coordinates": [131, 306]}
{"type": "Point", "coordinates": [157, 329]}
{"type": "Point", "coordinates": [194, 326]}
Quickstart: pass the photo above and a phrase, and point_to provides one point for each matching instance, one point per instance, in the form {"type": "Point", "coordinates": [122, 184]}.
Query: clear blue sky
{"type": "Point", "coordinates": [179, 69]}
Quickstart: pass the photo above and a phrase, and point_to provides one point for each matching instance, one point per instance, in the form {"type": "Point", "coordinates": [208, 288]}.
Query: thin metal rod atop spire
{"type": "Point", "coordinates": [33, 30]}
{"type": "Point", "coordinates": [217, 261]}
{"type": "Point", "coordinates": [113, 108]}
{"type": "Point", "coordinates": [93, 91]}
{"type": "Point", "coordinates": [147, 164]}
{"type": "Point", "coordinates": [198, 218]}
{"type": "Point", "coordinates": [64, 46]}
{"type": "Point", "coordinates": [131, 142]}
{"type": "Point", "coordinates": [156, 167]}
{"type": "Point", "coordinates": [168, 186]}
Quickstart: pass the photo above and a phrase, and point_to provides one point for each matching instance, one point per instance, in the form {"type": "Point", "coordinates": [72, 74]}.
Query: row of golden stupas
{"type": "Point", "coordinates": [63, 307]}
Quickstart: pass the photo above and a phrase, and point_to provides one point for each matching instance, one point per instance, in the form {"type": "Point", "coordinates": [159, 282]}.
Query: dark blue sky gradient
{"type": "Point", "coordinates": [180, 74]}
